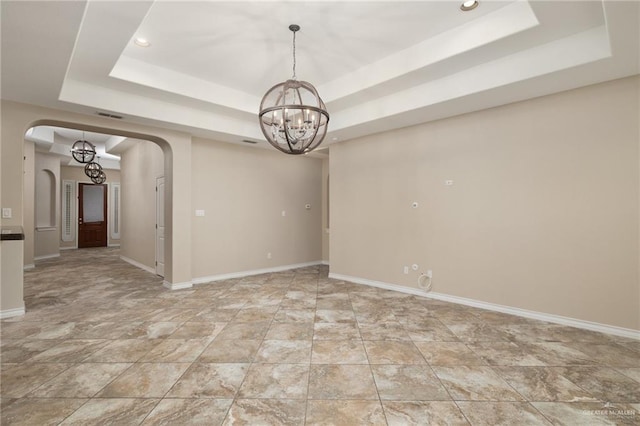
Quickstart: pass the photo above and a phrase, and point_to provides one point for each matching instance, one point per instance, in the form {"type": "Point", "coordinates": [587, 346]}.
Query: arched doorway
{"type": "Point", "coordinates": [125, 140]}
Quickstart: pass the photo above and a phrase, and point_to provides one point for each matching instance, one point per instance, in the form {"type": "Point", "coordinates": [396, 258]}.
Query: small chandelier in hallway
{"type": "Point", "coordinates": [83, 151]}
{"type": "Point", "coordinates": [293, 118]}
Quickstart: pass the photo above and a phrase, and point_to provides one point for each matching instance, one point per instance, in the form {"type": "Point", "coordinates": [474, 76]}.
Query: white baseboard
{"type": "Point", "coordinates": [29, 267]}
{"type": "Point", "coordinates": [12, 313]}
{"type": "Point", "coordinates": [242, 274]}
{"type": "Point", "coordinates": [69, 248]}
{"type": "Point", "coordinates": [46, 256]}
{"type": "Point", "coordinates": [138, 264]}
{"type": "Point", "coordinates": [325, 262]}
{"type": "Point", "coordinates": [113, 245]}
{"type": "Point", "coordinates": [177, 286]}
{"type": "Point", "coordinates": [556, 319]}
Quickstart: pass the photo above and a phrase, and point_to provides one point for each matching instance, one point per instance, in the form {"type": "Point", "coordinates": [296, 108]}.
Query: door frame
{"type": "Point", "coordinates": [160, 208]}
{"type": "Point", "coordinates": [106, 212]}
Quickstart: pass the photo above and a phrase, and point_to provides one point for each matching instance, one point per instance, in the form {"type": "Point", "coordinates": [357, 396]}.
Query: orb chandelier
{"type": "Point", "coordinates": [83, 151]}
{"type": "Point", "coordinates": [293, 118]}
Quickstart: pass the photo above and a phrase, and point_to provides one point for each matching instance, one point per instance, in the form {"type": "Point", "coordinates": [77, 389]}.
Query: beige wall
{"type": "Point", "coordinates": [243, 192]}
{"type": "Point", "coordinates": [542, 215]}
{"type": "Point", "coordinates": [28, 204]}
{"type": "Point", "coordinates": [76, 174]}
{"type": "Point", "coordinates": [140, 165]}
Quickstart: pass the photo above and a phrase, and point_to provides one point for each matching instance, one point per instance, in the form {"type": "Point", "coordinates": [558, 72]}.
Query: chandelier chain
{"type": "Point", "coordinates": [294, 55]}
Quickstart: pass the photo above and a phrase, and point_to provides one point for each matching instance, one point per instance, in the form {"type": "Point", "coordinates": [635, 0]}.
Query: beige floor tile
{"type": "Point", "coordinates": [177, 350]}
{"type": "Point", "coordinates": [543, 384]}
{"type": "Point", "coordinates": [290, 331]}
{"type": "Point", "coordinates": [393, 352]}
{"type": "Point", "coordinates": [177, 411]}
{"type": "Point", "coordinates": [404, 413]}
{"type": "Point", "coordinates": [80, 381]}
{"type": "Point", "coordinates": [335, 331]}
{"type": "Point", "coordinates": [328, 381]}
{"type": "Point", "coordinates": [476, 383]}
{"type": "Point", "coordinates": [198, 330]}
{"type": "Point", "coordinates": [118, 411]}
{"type": "Point", "coordinates": [36, 411]}
{"type": "Point", "coordinates": [284, 351]}
{"type": "Point", "coordinates": [338, 352]}
{"type": "Point", "coordinates": [589, 413]}
{"type": "Point", "coordinates": [383, 331]}
{"type": "Point", "coordinates": [282, 381]}
{"type": "Point", "coordinates": [232, 351]}
{"type": "Point", "coordinates": [502, 413]}
{"type": "Point", "coordinates": [505, 353]}
{"type": "Point", "coordinates": [352, 413]}
{"type": "Point", "coordinates": [207, 380]}
{"type": "Point", "coordinates": [17, 380]}
{"type": "Point", "coordinates": [244, 331]}
{"type": "Point", "coordinates": [610, 354]}
{"type": "Point", "coordinates": [448, 353]}
{"type": "Point", "coordinates": [408, 382]}
{"type": "Point", "coordinates": [145, 380]}
{"type": "Point", "coordinates": [125, 350]}
{"type": "Point", "coordinates": [335, 316]}
{"type": "Point", "coordinates": [252, 412]}
{"type": "Point", "coordinates": [24, 349]}
{"type": "Point", "coordinates": [604, 383]}
{"type": "Point", "coordinates": [295, 316]}
{"type": "Point", "coordinates": [72, 350]}
{"type": "Point", "coordinates": [633, 373]}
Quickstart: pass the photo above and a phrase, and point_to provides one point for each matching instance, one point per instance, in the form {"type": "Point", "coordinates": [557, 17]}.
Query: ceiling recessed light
{"type": "Point", "coordinates": [469, 5]}
{"type": "Point", "coordinates": [142, 42]}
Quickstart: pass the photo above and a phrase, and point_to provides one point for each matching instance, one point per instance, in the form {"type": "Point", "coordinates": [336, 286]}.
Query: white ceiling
{"type": "Point", "coordinates": [59, 141]}
{"type": "Point", "coordinates": [377, 65]}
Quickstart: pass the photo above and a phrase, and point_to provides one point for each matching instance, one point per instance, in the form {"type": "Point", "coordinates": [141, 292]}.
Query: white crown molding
{"type": "Point", "coordinates": [556, 319]}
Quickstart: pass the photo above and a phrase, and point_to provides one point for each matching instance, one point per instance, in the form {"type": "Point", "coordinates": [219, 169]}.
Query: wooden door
{"type": "Point", "coordinates": [92, 215]}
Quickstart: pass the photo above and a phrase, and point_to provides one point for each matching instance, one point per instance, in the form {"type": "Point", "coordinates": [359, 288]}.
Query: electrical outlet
{"type": "Point", "coordinates": [6, 213]}
{"type": "Point", "coordinates": [406, 270]}
{"type": "Point", "coordinates": [269, 255]}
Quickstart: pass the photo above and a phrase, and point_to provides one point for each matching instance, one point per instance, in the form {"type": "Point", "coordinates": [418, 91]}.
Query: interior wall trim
{"type": "Point", "coordinates": [177, 286]}
{"type": "Point", "coordinates": [29, 266]}
{"type": "Point", "coordinates": [138, 264]}
{"type": "Point", "coordinates": [241, 274]}
{"type": "Point", "coordinates": [9, 313]}
{"type": "Point", "coordinates": [556, 319]}
{"type": "Point", "coordinates": [47, 256]}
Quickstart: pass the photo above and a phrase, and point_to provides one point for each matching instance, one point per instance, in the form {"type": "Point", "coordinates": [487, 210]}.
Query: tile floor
{"type": "Point", "coordinates": [104, 343]}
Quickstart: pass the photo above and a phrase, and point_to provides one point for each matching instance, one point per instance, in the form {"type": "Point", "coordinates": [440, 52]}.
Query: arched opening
{"type": "Point", "coordinates": [39, 191]}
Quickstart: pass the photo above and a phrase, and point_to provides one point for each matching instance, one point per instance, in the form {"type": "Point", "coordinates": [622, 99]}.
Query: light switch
{"type": "Point", "coordinates": [6, 213]}
{"type": "Point", "coordinates": [199, 212]}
